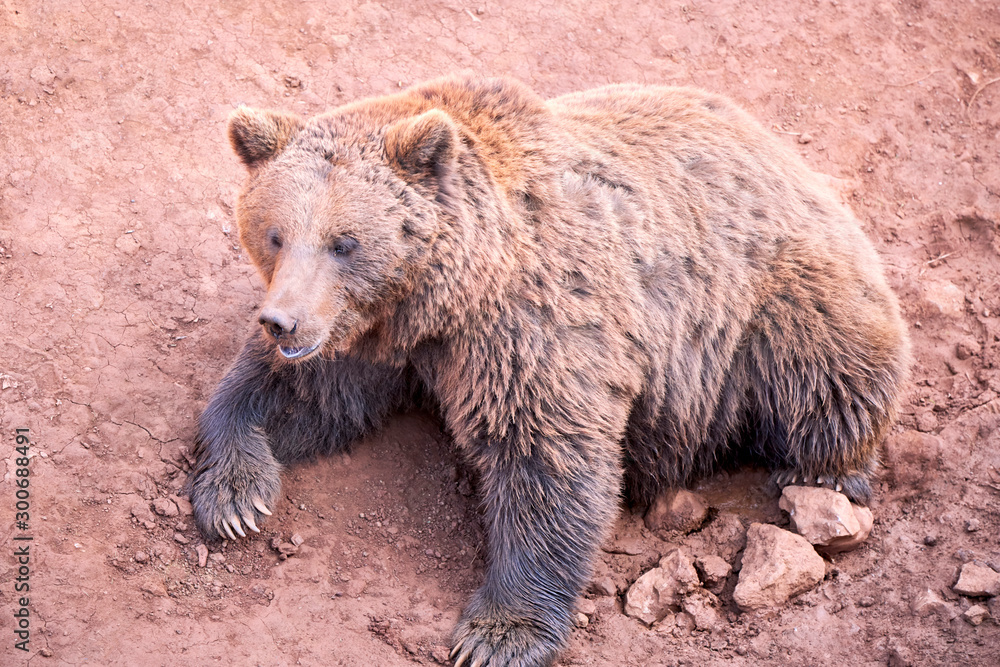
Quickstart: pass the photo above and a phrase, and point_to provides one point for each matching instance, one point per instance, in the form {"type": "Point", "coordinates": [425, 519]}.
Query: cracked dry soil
{"type": "Point", "coordinates": [124, 296]}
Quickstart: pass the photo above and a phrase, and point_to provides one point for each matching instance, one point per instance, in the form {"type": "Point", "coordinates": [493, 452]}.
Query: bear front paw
{"type": "Point", "coordinates": [233, 490]}
{"type": "Point", "coordinates": [494, 639]}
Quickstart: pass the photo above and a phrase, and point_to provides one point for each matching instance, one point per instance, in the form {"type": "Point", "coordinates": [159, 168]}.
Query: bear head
{"type": "Point", "coordinates": [338, 214]}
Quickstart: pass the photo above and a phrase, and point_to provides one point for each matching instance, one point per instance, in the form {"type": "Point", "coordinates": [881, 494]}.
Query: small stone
{"type": "Point", "coordinates": [713, 570]}
{"type": "Point", "coordinates": [927, 421]}
{"type": "Point", "coordinates": [297, 540]}
{"type": "Point", "coordinates": [165, 507]}
{"type": "Point", "coordinates": [340, 41]}
{"type": "Point", "coordinates": [580, 620]}
{"type": "Point", "coordinates": [183, 504]}
{"type": "Point", "coordinates": [45, 652]}
{"type": "Point", "coordinates": [946, 297]}
{"type": "Point", "coordinates": [931, 540]}
{"type": "Point", "coordinates": [141, 557]}
{"type": "Point", "coordinates": [976, 614]}
{"type": "Point", "coordinates": [604, 586]}
{"type": "Point", "coordinates": [585, 606]}
{"type": "Point", "coordinates": [826, 518]}
{"type": "Point", "coordinates": [677, 510]}
{"type": "Point", "coordinates": [202, 551]}
{"type": "Point", "coordinates": [966, 349]}
{"type": "Point", "coordinates": [867, 601]}
{"type": "Point", "coordinates": [972, 525]}
{"type": "Point", "coordinates": [154, 588]}
{"type": "Point", "coordinates": [703, 607]}
{"type": "Point", "coordinates": [777, 565]}
{"type": "Point", "coordinates": [286, 549]}
{"type": "Point", "coordinates": [649, 599]}
{"type": "Point", "coordinates": [805, 138]}
{"type": "Point", "coordinates": [217, 558]}
{"type": "Point", "coordinates": [929, 602]}
{"type": "Point", "coordinates": [977, 581]}
{"type": "Point", "coordinates": [180, 539]}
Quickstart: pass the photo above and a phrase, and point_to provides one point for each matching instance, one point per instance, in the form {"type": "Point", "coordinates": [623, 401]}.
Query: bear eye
{"type": "Point", "coordinates": [274, 239]}
{"type": "Point", "coordinates": [343, 246]}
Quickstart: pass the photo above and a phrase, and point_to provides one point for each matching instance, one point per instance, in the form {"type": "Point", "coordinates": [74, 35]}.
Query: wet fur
{"type": "Point", "coordinates": [612, 289]}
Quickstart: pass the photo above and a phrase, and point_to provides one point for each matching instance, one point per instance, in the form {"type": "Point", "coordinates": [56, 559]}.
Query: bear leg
{"type": "Point", "coordinates": [265, 414]}
{"type": "Point", "coordinates": [545, 515]}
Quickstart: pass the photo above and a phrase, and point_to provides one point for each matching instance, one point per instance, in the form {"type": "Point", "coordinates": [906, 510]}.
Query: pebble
{"type": "Point", "coordinates": [972, 525]}
{"type": "Point", "coordinates": [180, 539]}
{"type": "Point", "coordinates": [977, 581]}
{"type": "Point", "coordinates": [777, 565]}
{"type": "Point", "coordinates": [677, 510]}
{"type": "Point", "coordinates": [713, 570]}
{"type": "Point", "coordinates": [165, 507]}
{"type": "Point", "coordinates": [141, 557]}
{"type": "Point", "coordinates": [202, 551]}
{"type": "Point", "coordinates": [976, 614]}
{"type": "Point", "coordinates": [649, 599]}
{"type": "Point", "coordinates": [805, 138]}
{"type": "Point", "coordinates": [604, 586]}
{"type": "Point", "coordinates": [929, 602]}
{"type": "Point", "coordinates": [826, 518]}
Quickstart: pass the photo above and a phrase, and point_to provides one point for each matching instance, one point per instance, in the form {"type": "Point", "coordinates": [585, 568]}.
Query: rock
{"type": "Point", "coordinates": [154, 588]}
{"type": "Point", "coordinates": [972, 525]}
{"type": "Point", "coordinates": [977, 581]}
{"type": "Point", "coordinates": [805, 138]}
{"type": "Point", "coordinates": [777, 565]}
{"type": "Point", "coordinates": [183, 504]}
{"type": "Point", "coordinates": [580, 620]}
{"type": "Point", "coordinates": [180, 539]}
{"type": "Point", "coordinates": [677, 510]}
{"type": "Point", "coordinates": [649, 599]}
{"type": "Point", "coordinates": [604, 586]}
{"type": "Point", "coordinates": [141, 557]}
{"type": "Point", "coordinates": [703, 607]}
{"type": "Point", "coordinates": [217, 558]}
{"type": "Point", "coordinates": [45, 652]}
{"type": "Point", "coordinates": [297, 540]}
{"type": "Point", "coordinates": [165, 507]}
{"type": "Point", "coordinates": [202, 551]}
{"type": "Point", "coordinates": [826, 518]}
{"type": "Point", "coordinates": [929, 602]}
{"type": "Point", "coordinates": [713, 571]}
{"type": "Point", "coordinates": [947, 298]}
{"type": "Point", "coordinates": [927, 421]}
{"type": "Point", "coordinates": [976, 614]}
{"type": "Point", "coordinates": [585, 606]}
{"type": "Point", "coordinates": [726, 534]}
{"type": "Point", "coordinates": [285, 549]}
{"type": "Point", "coordinates": [140, 510]}
{"type": "Point", "coordinates": [911, 459]}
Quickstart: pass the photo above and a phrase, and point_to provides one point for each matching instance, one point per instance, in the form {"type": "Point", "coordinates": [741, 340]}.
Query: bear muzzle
{"type": "Point", "coordinates": [282, 327]}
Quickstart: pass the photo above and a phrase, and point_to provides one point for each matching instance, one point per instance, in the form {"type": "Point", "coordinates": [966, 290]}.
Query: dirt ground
{"type": "Point", "coordinates": [124, 296]}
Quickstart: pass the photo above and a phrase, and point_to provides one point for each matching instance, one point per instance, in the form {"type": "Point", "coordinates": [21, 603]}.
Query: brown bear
{"type": "Point", "coordinates": [609, 291]}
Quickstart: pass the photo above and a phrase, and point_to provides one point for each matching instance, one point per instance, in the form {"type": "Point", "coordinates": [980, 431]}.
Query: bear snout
{"type": "Point", "coordinates": [277, 323]}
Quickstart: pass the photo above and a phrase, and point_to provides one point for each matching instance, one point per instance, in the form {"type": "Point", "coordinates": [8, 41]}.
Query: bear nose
{"type": "Point", "coordinates": [277, 322]}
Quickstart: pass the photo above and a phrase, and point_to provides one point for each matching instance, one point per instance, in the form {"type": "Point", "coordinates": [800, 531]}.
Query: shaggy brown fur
{"type": "Point", "coordinates": [622, 286]}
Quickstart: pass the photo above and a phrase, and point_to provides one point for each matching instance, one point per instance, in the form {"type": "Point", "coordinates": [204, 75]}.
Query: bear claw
{"type": "Point", "coordinates": [261, 507]}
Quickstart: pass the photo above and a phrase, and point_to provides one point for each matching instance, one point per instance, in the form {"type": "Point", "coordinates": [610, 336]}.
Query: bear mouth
{"type": "Point", "coordinates": [296, 352]}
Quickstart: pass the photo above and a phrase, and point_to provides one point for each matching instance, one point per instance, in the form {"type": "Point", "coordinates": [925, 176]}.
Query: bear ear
{"type": "Point", "coordinates": [425, 146]}
{"type": "Point", "coordinates": [257, 135]}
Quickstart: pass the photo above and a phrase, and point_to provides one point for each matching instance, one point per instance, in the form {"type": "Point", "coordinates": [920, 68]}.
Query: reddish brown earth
{"type": "Point", "coordinates": [124, 295]}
